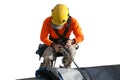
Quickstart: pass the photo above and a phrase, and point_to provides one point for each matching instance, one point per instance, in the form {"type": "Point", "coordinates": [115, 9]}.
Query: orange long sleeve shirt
{"type": "Point", "coordinates": [48, 30]}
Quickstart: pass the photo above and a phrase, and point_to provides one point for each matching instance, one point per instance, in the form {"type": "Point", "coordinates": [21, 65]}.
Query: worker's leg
{"type": "Point", "coordinates": [69, 56]}
{"type": "Point", "coordinates": [48, 57]}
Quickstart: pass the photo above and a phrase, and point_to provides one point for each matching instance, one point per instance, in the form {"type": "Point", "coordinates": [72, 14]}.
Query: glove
{"type": "Point", "coordinates": [69, 43]}
{"type": "Point", "coordinates": [57, 47]}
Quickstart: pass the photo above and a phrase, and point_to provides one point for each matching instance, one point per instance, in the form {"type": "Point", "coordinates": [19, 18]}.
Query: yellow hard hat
{"type": "Point", "coordinates": [60, 14]}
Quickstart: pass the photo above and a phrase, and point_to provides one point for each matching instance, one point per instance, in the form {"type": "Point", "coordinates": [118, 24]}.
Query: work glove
{"type": "Point", "coordinates": [69, 43]}
{"type": "Point", "coordinates": [57, 47]}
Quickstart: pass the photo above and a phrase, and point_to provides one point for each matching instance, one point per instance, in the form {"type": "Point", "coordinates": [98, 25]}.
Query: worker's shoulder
{"type": "Point", "coordinates": [48, 19]}
{"type": "Point", "coordinates": [73, 20]}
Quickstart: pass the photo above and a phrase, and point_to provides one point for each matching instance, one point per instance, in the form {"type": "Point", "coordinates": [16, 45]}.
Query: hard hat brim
{"type": "Point", "coordinates": [56, 26]}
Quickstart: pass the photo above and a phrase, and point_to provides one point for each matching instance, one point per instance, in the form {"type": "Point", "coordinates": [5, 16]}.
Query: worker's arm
{"type": "Point", "coordinates": [79, 37]}
{"type": "Point", "coordinates": [45, 32]}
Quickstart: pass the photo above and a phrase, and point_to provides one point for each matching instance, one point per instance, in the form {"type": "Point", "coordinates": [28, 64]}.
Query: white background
{"type": "Point", "coordinates": [20, 25]}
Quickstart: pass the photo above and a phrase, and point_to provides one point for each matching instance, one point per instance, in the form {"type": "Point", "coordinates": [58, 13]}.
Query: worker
{"type": "Point", "coordinates": [55, 33]}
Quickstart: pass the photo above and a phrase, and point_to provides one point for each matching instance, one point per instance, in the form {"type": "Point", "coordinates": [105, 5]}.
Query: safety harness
{"type": "Point", "coordinates": [62, 40]}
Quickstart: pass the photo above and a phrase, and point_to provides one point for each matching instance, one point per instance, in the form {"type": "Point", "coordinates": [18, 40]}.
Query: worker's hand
{"type": "Point", "coordinates": [69, 43]}
{"type": "Point", "coordinates": [57, 47]}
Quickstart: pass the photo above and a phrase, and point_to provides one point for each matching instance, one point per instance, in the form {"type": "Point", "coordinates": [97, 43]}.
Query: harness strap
{"type": "Point", "coordinates": [66, 29]}
{"type": "Point", "coordinates": [62, 37]}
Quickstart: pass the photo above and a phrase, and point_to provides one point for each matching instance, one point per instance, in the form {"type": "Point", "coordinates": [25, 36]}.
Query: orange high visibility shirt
{"type": "Point", "coordinates": [48, 30]}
